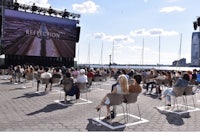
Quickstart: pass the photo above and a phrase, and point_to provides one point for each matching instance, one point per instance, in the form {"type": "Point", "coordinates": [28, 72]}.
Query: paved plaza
{"type": "Point", "coordinates": [22, 109]}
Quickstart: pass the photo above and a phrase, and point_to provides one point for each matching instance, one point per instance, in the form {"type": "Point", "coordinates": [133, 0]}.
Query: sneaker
{"type": "Point", "coordinates": [168, 105]}
{"type": "Point", "coordinates": [112, 114]}
{"type": "Point", "coordinates": [148, 93]}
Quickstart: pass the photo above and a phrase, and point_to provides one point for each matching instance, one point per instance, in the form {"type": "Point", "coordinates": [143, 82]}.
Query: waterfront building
{"type": "Point", "coordinates": [195, 49]}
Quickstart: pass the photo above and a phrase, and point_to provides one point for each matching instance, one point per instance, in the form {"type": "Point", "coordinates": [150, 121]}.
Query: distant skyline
{"type": "Point", "coordinates": [131, 25]}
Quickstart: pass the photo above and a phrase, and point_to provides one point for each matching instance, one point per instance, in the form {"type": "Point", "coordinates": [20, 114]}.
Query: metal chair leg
{"type": "Point", "coordinates": [139, 111]}
{"type": "Point", "coordinates": [186, 102]}
{"type": "Point", "coordinates": [127, 112]}
{"type": "Point", "coordinates": [124, 113]}
{"type": "Point", "coordinates": [193, 102]}
{"type": "Point", "coordinates": [99, 114]}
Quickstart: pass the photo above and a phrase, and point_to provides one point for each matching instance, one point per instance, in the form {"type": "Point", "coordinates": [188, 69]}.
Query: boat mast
{"type": "Point", "coordinates": [159, 52]}
{"type": "Point", "coordinates": [142, 54]}
{"type": "Point", "coordinates": [101, 57]}
{"type": "Point", "coordinates": [88, 54]}
{"type": "Point", "coordinates": [179, 54]}
{"type": "Point", "coordinates": [113, 52]}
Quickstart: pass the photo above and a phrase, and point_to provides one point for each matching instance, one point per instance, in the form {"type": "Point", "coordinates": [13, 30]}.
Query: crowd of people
{"type": "Point", "coordinates": [70, 78]}
{"type": "Point", "coordinates": [127, 80]}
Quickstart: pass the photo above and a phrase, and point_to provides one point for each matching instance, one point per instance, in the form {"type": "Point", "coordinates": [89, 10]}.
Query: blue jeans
{"type": "Point", "coordinates": [114, 86]}
{"type": "Point", "coordinates": [168, 93]}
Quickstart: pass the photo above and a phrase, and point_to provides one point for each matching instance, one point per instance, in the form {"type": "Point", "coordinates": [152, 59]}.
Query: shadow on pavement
{"type": "Point", "coordinates": [29, 95]}
{"type": "Point", "coordinates": [48, 108]}
{"type": "Point", "coordinates": [96, 126]}
{"type": "Point", "coordinates": [174, 118]}
{"type": "Point", "coordinates": [6, 83]}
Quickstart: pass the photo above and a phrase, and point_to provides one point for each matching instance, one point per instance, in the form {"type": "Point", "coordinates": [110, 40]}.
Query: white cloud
{"type": "Point", "coordinates": [172, 1]}
{"type": "Point", "coordinates": [99, 35]}
{"type": "Point", "coordinates": [172, 9]}
{"type": "Point", "coordinates": [117, 38]}
{"type": "Point", "coordinates": [137, 33]}
{"type": "Point", "coordinates": [85, 7]}
{"type": "Point", "coordinates": [41, 3]}
{"type": "Point", "coordinates": [153, 32]}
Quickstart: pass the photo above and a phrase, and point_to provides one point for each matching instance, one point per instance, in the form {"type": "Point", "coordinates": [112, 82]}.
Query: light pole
{"type": "Point", "coordinates": [110, 60]}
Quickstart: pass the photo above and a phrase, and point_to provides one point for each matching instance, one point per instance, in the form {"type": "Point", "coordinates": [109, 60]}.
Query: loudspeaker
{"type": "Point", "coordinates": [0, 25]}
{"type": "Point", "coordinates": [78, 29]}
{"type": "Point", "coordinates": [195, 25]}
{"type": "Point", "coordinates": [198, 21]}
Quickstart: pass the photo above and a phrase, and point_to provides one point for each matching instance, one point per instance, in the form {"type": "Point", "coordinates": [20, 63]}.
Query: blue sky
{"type": "Point", "coordinates": [133, 27]}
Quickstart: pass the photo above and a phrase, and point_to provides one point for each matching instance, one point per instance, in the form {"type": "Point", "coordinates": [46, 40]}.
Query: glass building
{"type": "Point", "coordinates": [195, 49]}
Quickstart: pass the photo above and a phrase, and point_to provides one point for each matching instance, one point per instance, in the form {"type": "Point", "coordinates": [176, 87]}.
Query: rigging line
{"type": "Point", "coordinates": [142, 57]}
{"type": "Point", "coordinates": [88, 59]}
{"type": "Point", "coordinates": [159, 52]}
{"type": "Point", "coordinates": [113, 52]}
{"type": "Point", "coordinates": [179, 54]}
{"type": "Point", "coordinates": [101, 61]}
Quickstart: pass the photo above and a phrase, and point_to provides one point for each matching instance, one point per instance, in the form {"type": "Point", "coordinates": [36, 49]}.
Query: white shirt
{"type": "Point", "coordinates": [82, 78]}
{"type": "Point", "coordinates": [46, 75]}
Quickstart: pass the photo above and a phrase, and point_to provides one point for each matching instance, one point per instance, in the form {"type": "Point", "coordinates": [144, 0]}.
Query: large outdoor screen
{"type": "Point", "coordinates": [32, 34]}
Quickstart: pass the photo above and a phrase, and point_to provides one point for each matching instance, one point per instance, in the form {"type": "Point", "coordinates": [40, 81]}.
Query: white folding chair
{"type": "Point", "coordinates": [189, 92]}
{"type": "Point", "coordinates": [178, 93]}
{"type": "Point", "coordinates": [83, 89]}
{"type": "Point", "coordinates": [115, 99]}
{"type": "Point", "coordinates": [130, 99]}
{"type": "Point", "coordinates": [45, 82]}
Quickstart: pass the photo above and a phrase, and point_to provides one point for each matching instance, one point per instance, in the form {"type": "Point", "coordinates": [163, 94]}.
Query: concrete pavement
{"type": "Point", "coordinates": [21, 109]}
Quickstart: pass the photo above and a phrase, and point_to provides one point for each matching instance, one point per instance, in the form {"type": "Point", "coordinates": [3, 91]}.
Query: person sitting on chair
{"type": "Point", "coordinates": [135, 86]}
{"type": "Point", "coordinates": [82, 78]}
{"type": "Point", "coordinates": [80, 82]}
{"type": "Point", "coordinates": [180, 83]}
{"type": "Point", "coordinates": [120, 88]}
{"type": "Point", "coordinates": [68, 86]}
{"type": "Point", "coordinates": [55, 74]}
{"type": "Point", "coordinates": [46, 75]}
